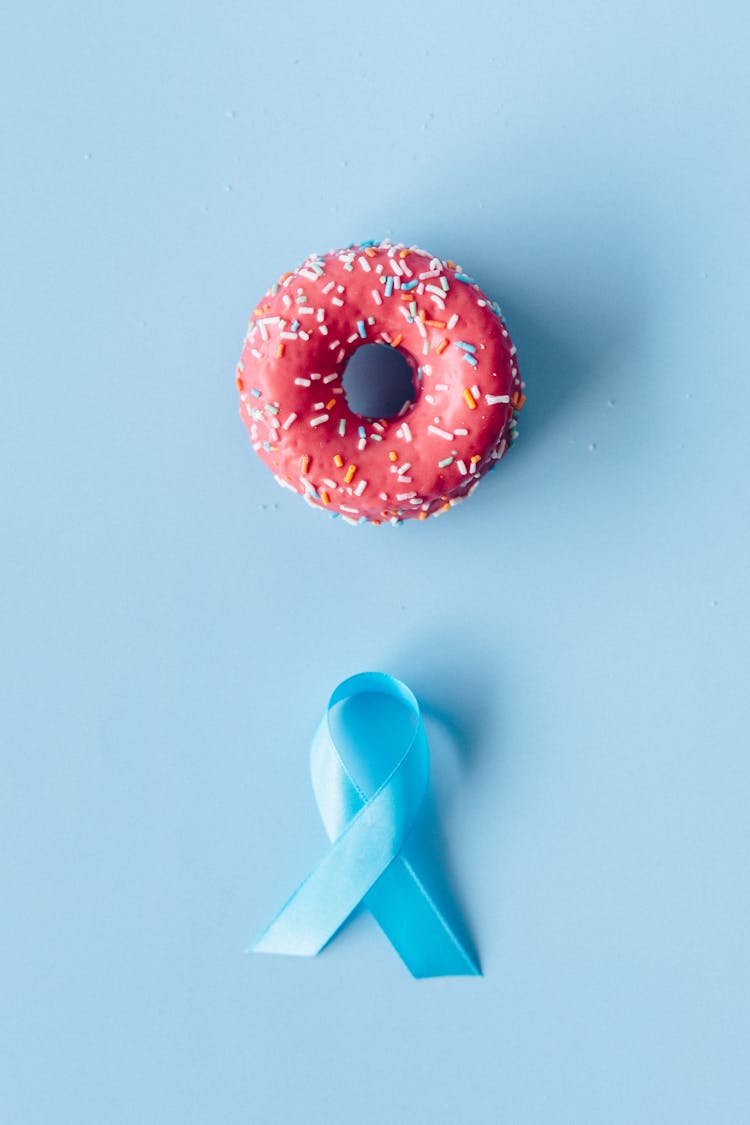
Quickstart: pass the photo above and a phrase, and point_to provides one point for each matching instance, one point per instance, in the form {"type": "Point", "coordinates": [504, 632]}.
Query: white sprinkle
{"type": "Point", "coordinates": [337, 301]}
{"type": "Point", "coordinates": [354, 511]}
{"type": "Point", "coordinates": [377, 426]}
{"type": "Point", "coordinates": [383, 495]}
{"type": "Point", "coordinates": [304, 335]}
{"type": "Point", "coordinates": [321, 418]}
{"type": "Point", "coordinates": [461, 467]}
{"type": "Point", "coordinates": [407, 431]}
{"type": "Point", "coordinates": [263, 330]}
{"type": "Point", "coordinates": [453, 321]}
{"type": "Point", "coordinates": [255, 353]}
{"type": "Point", "coordinates": [292, 418]}
{"type": "Point", "coordinates": [361, 444]}
{"type": "Point", "coordinates": [330, 378]}
{"type": "Point", "coordinates": [404, 468]}
{"type": "Point", "coordinates": [440, 433]}
{"type": "Point", "coordinates": [329, 483]}
{"type": "Point", "coordinates": [323, 330]}
{"type": "Point", "coordinates": [429, 273]}
{"type": "Point", "coordinates": [319, 406]}
{"type": "Point", "coordinates": [364, 263]}
{"type": "Point", "coordinates": [405, 495]}
{"type": "Point", "coordinates": [493, 399]}
{"type": "Point", "coordinates": [396, 267]}
{"type": "Point", "coordinates": [376, 297]}
{"type": "Point", "coordinates": [354, 336]}
{"type": "Point", "coordinates": [460, 433]}
{"type": "Point", "coordinates": [475, 391]}
{"type": "Point", "coordinates": [360, 488]}
{"type": "Point", "coordinates": [302, 382]}
{"type": "Point", "coordinates": [327, 288]}
{"type": "Point", "coordinates": [315, 375]}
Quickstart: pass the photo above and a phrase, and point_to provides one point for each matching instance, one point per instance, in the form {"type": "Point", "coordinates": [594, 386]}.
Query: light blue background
{"type": "Point", "coordinates": [172, 622]}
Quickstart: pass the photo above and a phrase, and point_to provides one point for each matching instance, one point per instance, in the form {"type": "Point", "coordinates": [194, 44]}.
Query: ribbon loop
{"type": "Point", "coordinates": [368, 801]}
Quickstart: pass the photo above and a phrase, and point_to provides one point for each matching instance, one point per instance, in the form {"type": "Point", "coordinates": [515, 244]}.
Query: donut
{"type": "Point", "coordinates": [467, 392]}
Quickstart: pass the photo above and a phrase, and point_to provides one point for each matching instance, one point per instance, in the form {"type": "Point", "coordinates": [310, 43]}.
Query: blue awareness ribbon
{"type": "Point", "coordinates": [368, 806]}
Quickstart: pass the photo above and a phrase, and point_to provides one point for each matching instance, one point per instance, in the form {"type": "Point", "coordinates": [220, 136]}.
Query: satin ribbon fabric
{"type": "Point", "coordinates": [368, 808]}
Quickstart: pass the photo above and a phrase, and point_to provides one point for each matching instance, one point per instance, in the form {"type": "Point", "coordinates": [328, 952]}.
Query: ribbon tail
{"type": "Point", "coordinates": [415, 926]}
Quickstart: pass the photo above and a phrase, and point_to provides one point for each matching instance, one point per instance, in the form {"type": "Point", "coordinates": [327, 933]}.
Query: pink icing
{"type": "Point", "coordinates": [432, 455]}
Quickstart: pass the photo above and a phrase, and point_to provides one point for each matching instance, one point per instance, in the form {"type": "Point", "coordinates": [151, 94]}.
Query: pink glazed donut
{"type": "Point", "coordinates": [467, 389]}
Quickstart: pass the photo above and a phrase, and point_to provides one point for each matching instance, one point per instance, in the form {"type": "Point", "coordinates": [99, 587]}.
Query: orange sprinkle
{"type": "Point", "coordinates": [422, 315]}
{"type": "Point", "coordinates": [393, 456]}
{"type": "Point", "coordinates": [471, 402]}
{"type": "Point", "coordinates": [518, 400]}
{"type": "Point", "coordinates": [238, 383]}
{"type": "Point", "coordinates": [403, 253]}
{"type": "Point", "coordinates": [370, 251]}
{"type": "Point", "coordinates": [325, 497]}
{"type": "Point", "coordinates": [280, 351]}
{"type": "Point", "coordinates": [304, 463]}
{"type": "Point", "coordinates": [330, 405]}
{"type": "Point", "coordinates": [396, 340]}
{"type": "Point", "coordinates": [338, 460]}
{"type": "Point", "coordinates": [407, 297]}
{"type": "Point", "coordinates": [284, 277]}
{"type": "Point", "coordinates": [442, 345]}
{"type": "Point", "coordinates": [435, 323]}
{"type": "Point", "coordinates": [475, 458]}
{"type": "Point", "coordinates": [349, 474]}
{"type": "Point", "coordinates": [375, 523]}
{"type": "Point", "coordinates": [451, 263]}
{"type": "Point", "coordinates": [422, 516]}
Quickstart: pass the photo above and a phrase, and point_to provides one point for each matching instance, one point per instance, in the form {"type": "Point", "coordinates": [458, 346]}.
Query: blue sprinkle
{"type": "Point", "coordinates": [388, 285]}
{"type": "Point", "coordinates": [471, 359]}
{"type": "Point", "coordinates": [255, 391]}
{"type": "Point", "coordinates": [361, 431]}
{"type": "Point", "coordinates": [294, 326]}
{"type": "Point", "coordinates": [361, 328]}
{"type": "Point", "coordinates": [466, 347]}
{"type": "Point", "coordinates": [370, 242]}
{"type": "Point", "coordinates": [267, 447]}
{"type": "Point", "coordinates": [464, 277]}
{"type": "Point", "coordinates": [409, 285]}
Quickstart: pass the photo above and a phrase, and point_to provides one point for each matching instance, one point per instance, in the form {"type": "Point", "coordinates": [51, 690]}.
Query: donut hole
{"type": "Point", "coordinates": [378, 382]}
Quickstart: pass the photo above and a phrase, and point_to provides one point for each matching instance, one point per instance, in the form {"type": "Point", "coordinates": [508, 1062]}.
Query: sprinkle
{"type": "Point", "coordinates": [475, 391]}
{"type": "Point", "coordinates": [238, 383]}
{"type": "Point", "coordinates": [327, 288]}
{"type": "Point", "coordinates": [361, 328]}
{"type": "Point", "coordinates": [463, 277]}
{"type": "Point", "coordinates": [338, 460]}
{"type": "Point", "coordinates": [280, 351]}
{"type": "Point", "coordinates": [445, 462]}
{"type": "Point", "coordinates": [337, 301]}
{"type": "Point", "coordinates": [440, 433]}
{"type": "Point", "coordinates": [444, 283]}
{"type": "Point", "coordinates": [397, 340]}
{"type": "Point", "coordinates": [361, 431]}
{"type": "Point", "coordinates": [330, 378]}
{"type": "Point", "coordinates": [435, 323]}
{"type": "Point", "coordinates": [466, 347]}
{"type": "Point", "coordinates": [342, 426]}
{"type": "Point", "coordinates": [406, 431]}
{"type": "Point", "coordinates": [330, 404]}
{"type": "Point", "coordinates": [405, 495]}
{"type": "Point", "coordinates": [376, 297]}
{"type": "Point", "coordinates": [453, 321]}
{"type": "Point", "coordinates": [462, 468]}
{"type": "Point", "coordinates": [403, 468]}
{"type": "Point", "coordinates": [364, 263]}
{"type": "Point", "coordinates": [325, 497]}
{"type": "Point", "coordinates": [460, 433]}
{"type": "Point", "coordinates": [304, 462]}
{"type": "Point", "coordinates": [471, 359]}
{"type": "Point", "coordinates": [407, 286]}
{"type": "Point", "coordinates": [319, 420]}
{"type": "Point", "coordinates": [442, 345]}
{"type": "Point", "coordinates": [360, 488]}
{"type": "Point", "coordinates": [475, 458]}
{"type": "Point", "coordinates": [349, 474]}
{"type": "Point", "coordinates": [471, 402]}
{"type": "Point", "coordinates": [255, 392]}
{"type": "Point", "coordinates": [392, 455]}
{"type": "Point", "coordinates": [492, 400]}
{"type": "Point", "coordinates": [388, 285]}
{"type": "Point", "coordinates": [290, 419]}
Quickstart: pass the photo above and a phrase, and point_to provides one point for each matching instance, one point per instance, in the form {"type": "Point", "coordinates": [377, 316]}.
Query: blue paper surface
{"type": "Point", "coordinates": [170, 620]}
